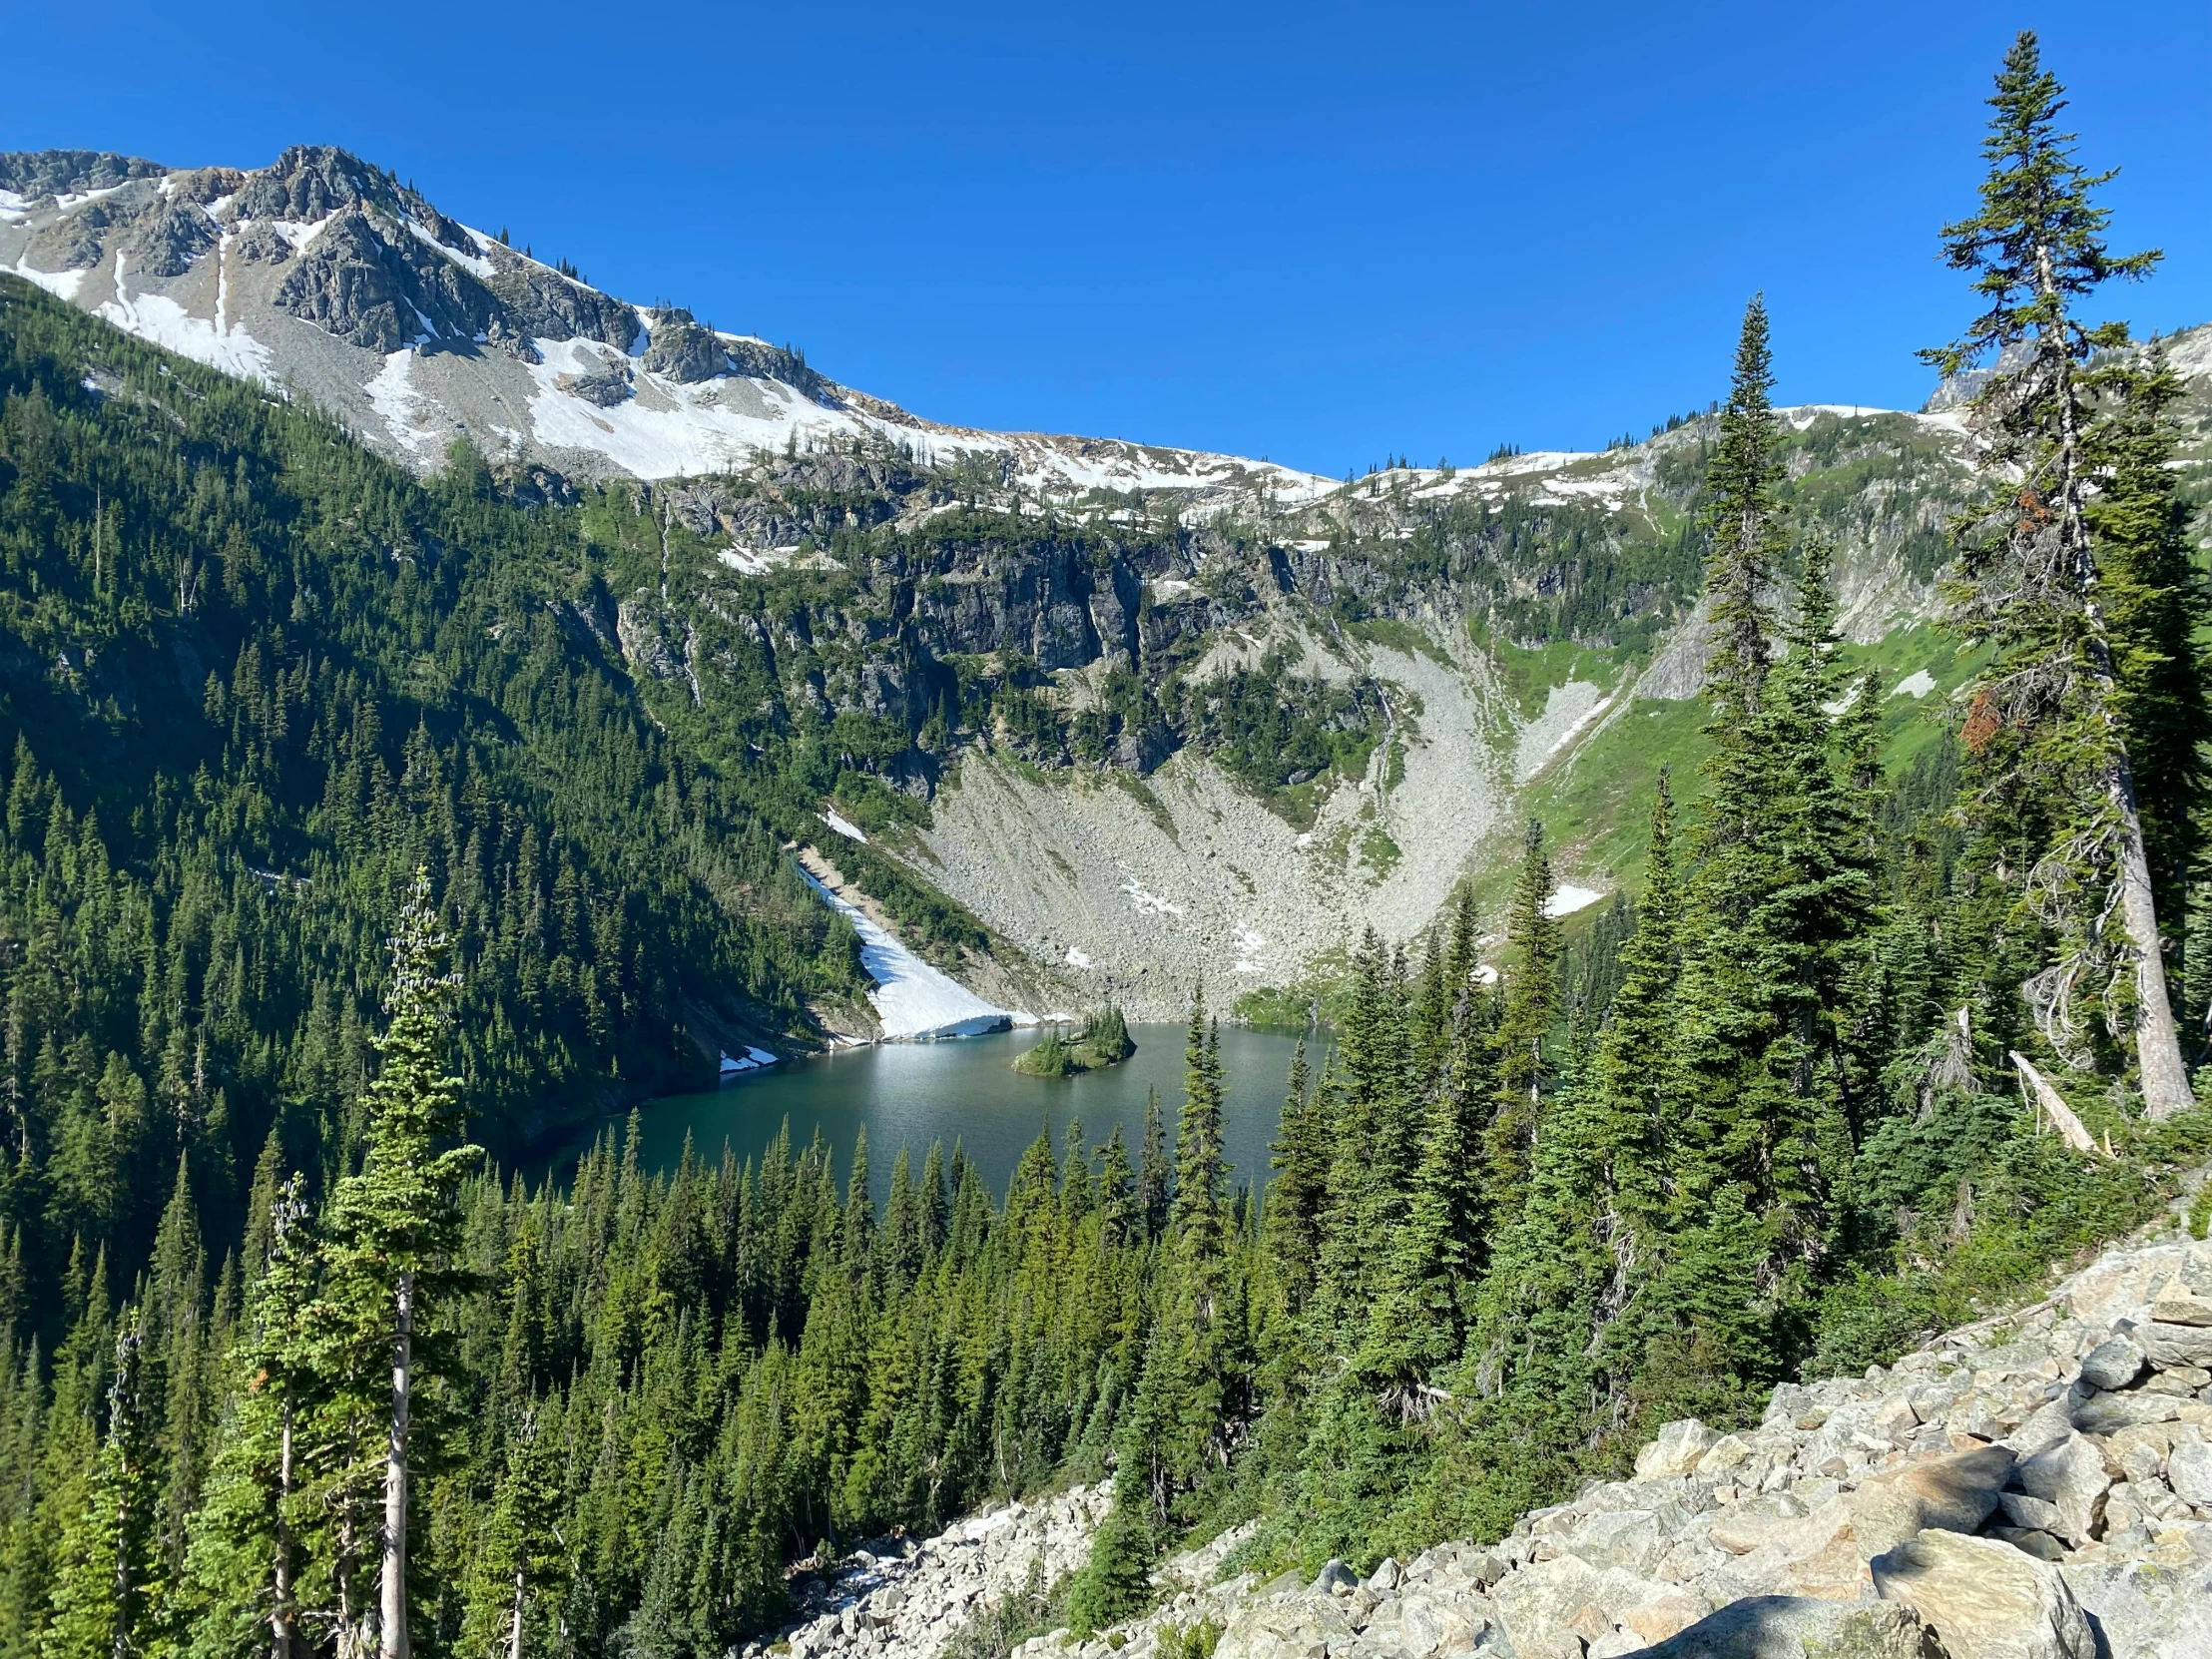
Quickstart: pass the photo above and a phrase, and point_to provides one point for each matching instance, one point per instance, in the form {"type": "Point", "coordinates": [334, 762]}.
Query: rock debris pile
{"type": "Point", "coordinates": [2034, 1487]}
{"type": "Point", "coordinates": [903, 1599]}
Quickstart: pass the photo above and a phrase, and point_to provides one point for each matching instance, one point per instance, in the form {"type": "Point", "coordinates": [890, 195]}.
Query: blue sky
{"type": "Point", "coordinates": [1323, 234]}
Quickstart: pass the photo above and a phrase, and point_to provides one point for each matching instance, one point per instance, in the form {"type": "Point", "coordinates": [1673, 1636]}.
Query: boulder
{"type": "Point", "coordinates": [2033, 1512]}
{"type": "Point", "coordinates": [1985, 1599]}
{"type": "Point", "coordinates": [1336, 1578]}
{"type": "Point", "coordinates": [1629, 1539]}
{"type": "Point", "coordinates": [1290, 1628]}
{"type": "Point", "coordinates": [2179, 1306]}
{"type": "Point", "coordinates": [1730, 1452]}
{"type": "Point", "coordinates": [1955, 1492]}
{"type": "Point", "coordinates": [2114, 1362]}
{"type": "Point", "coordinates": [1676, 1451]}
{"type": "Point", "coordinates": [2189, 1471]}
{"type": "Point", "coordinates": [2069, 1476]}
{"type": "Point", "coordinates": [1815, 1556]}
{"type": "Point", "coordinates": [1795, 1627]}
{"type": "Point", "coordinates": [2108, 1413]}
{"type": "Point", "coordinates": [1547, 1608]}
{"type": "Point", "coordinates": [2168, 1345]}
{"type": "Point", "coordinates": [2144, 1611]}
{"type": "Point", "coordinates": [1748, 1526]}
{"type": "Point", "coordinates": [2123, 1280]}
{"type": "Point", "coordinates": [1418, 1626]}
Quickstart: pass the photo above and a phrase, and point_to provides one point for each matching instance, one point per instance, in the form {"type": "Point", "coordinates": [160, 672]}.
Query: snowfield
{"type": "Point", "coordinates": [914, 1000]}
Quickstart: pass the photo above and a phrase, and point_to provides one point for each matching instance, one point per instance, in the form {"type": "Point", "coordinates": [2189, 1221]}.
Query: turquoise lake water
{"type": "Point", "coordinates": [966, 1090]}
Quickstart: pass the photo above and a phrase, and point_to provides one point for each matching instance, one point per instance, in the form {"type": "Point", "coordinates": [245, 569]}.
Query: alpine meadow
{"type": "Point", "coordinates": [1744, 896]}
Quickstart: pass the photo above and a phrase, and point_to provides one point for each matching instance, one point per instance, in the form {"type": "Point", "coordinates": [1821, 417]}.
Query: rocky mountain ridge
{"type": "Point", "coordinates": [1149, 715]}
{"type": "Point", "coordinates": [2033, 1486]}
{"type": "Point", "coordinates": [327, 275]}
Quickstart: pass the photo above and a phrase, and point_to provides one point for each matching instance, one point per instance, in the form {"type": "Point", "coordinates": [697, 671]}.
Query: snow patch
{"type": "Point", "coordinates": [62, 285]}
{"type": "Point", "coordinates": [752, 1059]}
{"type": "Point", "coordinates": [160, 321]}
{"type": "Point", "coordinates": [749, 561]}
{"type": "Point", "coordinates": [1150, 904]}
{"type": "Point", "coordinates": [1078, 958]}
{"type": "Point", "coordinates": [393, 395]}
{"type": "Point", "coordinates": [480, 269]}
{"type": "Point", "coordinates": [1566, 898]}
{"type": "Point", "coordinates": [914, 1000]}
{"type": "Point", "coordinates": [1915, 685]}
{"type": "Point", "coordinates": [844, 825]}
{"type": "Point", "coordinates": [1248, 947]}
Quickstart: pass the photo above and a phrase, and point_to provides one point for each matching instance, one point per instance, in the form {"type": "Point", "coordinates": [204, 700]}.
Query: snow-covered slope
{"type": "Point", "coordinates": [914, 1001]}
{"type": "Point", "coordinates": [325, 276]}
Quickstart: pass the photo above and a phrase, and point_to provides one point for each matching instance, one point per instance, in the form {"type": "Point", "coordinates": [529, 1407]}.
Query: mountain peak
{"type": "Point", "coordinates": [324, 273]}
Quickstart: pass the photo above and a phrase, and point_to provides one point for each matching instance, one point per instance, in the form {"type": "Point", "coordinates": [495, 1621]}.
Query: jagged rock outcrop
{"type": "Point", "coordinates": [310, 181]}
{"type": "Point", "coordinates": [383, 292]}
{"type": "Point", "coordinates": [536, 301]}
{"type": "Point", "coordinates": [683, 350]}
{"type": "Point", "coordinates": [1987, 1497]}
{"type": "Point", "coordinates": [37, 172]}
{"type": "Point", "coordinates": [167, 236]}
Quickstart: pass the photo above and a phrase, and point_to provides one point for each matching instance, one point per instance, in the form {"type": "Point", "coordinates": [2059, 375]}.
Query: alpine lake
{"type": "Point", "coordinates": [965, 1090]}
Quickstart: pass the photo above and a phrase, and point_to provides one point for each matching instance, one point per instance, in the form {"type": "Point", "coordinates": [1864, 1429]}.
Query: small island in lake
{"type": "Point", "coordinates": [1103, 1041]}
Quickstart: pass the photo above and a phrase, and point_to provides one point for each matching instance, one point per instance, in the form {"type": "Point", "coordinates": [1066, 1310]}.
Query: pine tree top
{"type": "Point", "coordinates": [2038, 240]}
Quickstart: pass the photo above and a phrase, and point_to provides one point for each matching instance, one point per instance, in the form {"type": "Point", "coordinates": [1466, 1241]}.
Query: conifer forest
{"type": "Point", "coordinates": [304, 1352]}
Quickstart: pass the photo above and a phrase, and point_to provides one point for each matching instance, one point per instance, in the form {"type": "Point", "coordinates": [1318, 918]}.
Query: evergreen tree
{"type": "Point", "coordinates": [2046, 737]}
{"type": "Point", "coordinates": [2155, 610]}
{"type": "Point", "coordinates": [1629, 1080]}
{"type": "Point", "coordinates": [1300, 1159]}
{"type": "Point", "coordinates": [394, 1230]}
{"type": "Point", "coordinates": [1153, 1173]}
{"type": "Point", "coordinates": [107, 1590]}
{"type": "Point", "coordinates": [1532, 989]}
{"type": "Point", "coordinates": [1197, 1218]}
{"type": "Point", "coordinates": [1743, 529]}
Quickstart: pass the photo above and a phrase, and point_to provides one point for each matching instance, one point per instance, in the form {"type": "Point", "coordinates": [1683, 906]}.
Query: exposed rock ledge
{"type": "Point", "coordinates": [2036, 1487]}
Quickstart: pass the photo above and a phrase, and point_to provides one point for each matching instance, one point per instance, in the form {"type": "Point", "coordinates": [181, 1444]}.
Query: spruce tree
{"type": "Point", "coordinates": [2156, 610]}
{"type": "Point", "coordinates": [1197, 1219]}
{"type": "Point", "coordinates": [1300, 1160]}
{"type": "Point", "coordinates": [394, 1230]}
{"type": "Point", "coordinates": [1532, 989]}
{"type": "Point", "coordinates": [1743, 529]}
{"type": "Point", "coordinates": [106, 1591]}
{"type": "Point", "coordinates": [1153, 1175]}
{"type": "Point", "coordinates": [2047, 728]}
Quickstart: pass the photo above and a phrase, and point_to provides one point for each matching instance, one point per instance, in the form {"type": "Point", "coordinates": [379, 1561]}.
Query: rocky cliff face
{"type": "Point", "coordinates": [1476, 630]}
{"type": "Point", "coordinates": [2037, 1486]}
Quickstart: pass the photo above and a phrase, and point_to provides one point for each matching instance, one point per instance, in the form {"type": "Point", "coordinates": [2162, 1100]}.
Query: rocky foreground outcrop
{"type": "Point", "coordinates": [2032, 1487]}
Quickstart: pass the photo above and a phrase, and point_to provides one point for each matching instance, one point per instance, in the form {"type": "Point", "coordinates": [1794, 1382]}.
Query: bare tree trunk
{"type": "Point", "coordinates": [352, 1639]}
{"type": "Point", "coordinates": [514, 1625]}
{"type": "Point", "coordinates": [280, 1610]}
{"type": "Point", "coordinates": [2157, 1036]}
{"type": "Point", "coordinates": [394, 1602]}
{"type": "Point", "coordinates": [119, 1641]}
{"type": "Point", "coordinates": [2165, 1080]}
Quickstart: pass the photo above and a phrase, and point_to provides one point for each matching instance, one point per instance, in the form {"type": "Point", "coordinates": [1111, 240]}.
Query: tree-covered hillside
{"type": "Point", "coordinates": [338, 848]}
{"type": "Point", "coordinates": [251, 677]}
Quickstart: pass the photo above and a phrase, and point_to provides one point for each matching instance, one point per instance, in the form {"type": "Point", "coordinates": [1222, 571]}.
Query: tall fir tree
{"type": "Point", "coordinates": [1529, 981]}
{"type": "Point", "coordinates": [394, 1232]}
{"type": "Point", "coordinates": [2046, 737]}
{"type": "Point", "coordinates": [107, 1590]}
{"type": "Point", "coordinates": [2156, 611]}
